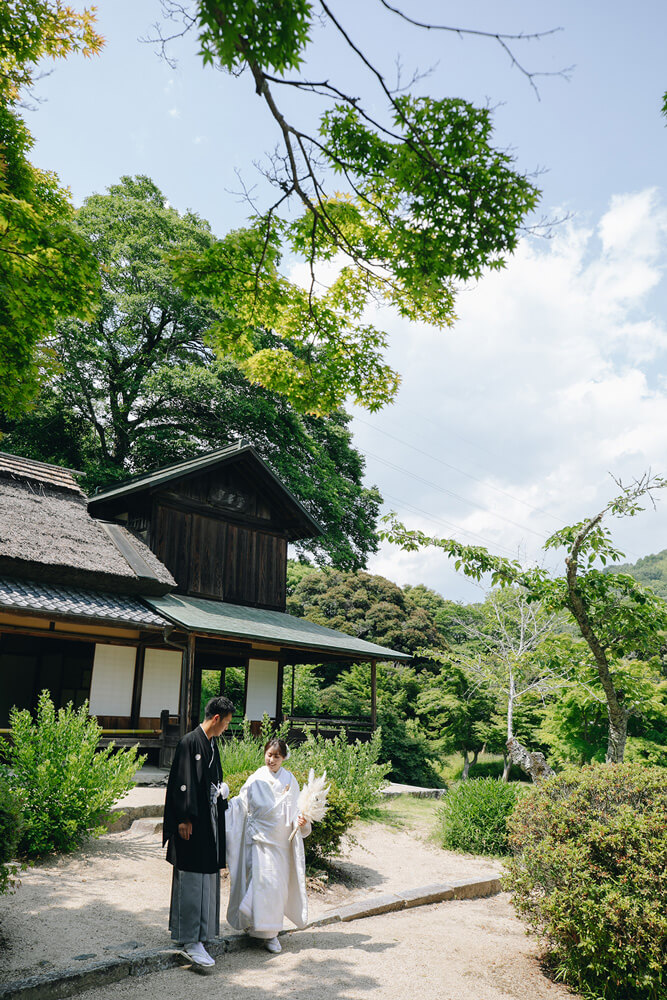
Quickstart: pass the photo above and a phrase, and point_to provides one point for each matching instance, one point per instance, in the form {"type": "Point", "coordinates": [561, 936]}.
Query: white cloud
{"type": "Point", "coordinates": [550, 381]}
{"type": "Point", "coordinates": [174, 113]}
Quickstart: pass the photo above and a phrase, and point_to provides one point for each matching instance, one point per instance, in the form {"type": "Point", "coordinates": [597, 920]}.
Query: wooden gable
{"type": "Point", "coordinates": [221, 525]}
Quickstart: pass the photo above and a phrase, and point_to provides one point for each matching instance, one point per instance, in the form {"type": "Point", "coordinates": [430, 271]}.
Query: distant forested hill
{"type": "Point", "coordinates": [651, 570]}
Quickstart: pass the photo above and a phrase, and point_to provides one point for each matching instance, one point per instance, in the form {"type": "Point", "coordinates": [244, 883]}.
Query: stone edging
{"type": "Point", "coordinates": [70, 981]}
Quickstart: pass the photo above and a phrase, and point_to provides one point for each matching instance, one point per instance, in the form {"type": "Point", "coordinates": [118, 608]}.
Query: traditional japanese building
{"type": "Point", "coordinates": [124, 598]}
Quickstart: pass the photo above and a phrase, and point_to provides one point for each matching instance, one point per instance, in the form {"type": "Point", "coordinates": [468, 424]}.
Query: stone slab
{"type": "Point", "coordinates": [426, 894]}
{"type": "Point", "coordinates": [371, 907]}
{"type": "Point", "coordinates": [476, 888]}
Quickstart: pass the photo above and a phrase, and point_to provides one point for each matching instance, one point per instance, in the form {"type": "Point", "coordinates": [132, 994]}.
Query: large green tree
{"type": "Point", "coordinates": [364, 605]}
{"type": "Point", "coordinates": [138, 385]}
{"type": "Point", "coordinates": [46, 268]}
{"type": "Point", "coordinates": [403, 196]}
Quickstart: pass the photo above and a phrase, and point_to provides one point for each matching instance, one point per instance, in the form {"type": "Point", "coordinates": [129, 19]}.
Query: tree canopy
{"type": "Point", "coordinates": [401, 194]}
{"type": "Point", "coordinates": [46, 268]}
{"type": "Point", "coordinates": [138, 386]}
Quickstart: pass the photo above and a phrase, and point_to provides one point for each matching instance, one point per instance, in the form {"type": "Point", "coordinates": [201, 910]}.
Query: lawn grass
{"type": "Point", "coordinates": [407, 812]}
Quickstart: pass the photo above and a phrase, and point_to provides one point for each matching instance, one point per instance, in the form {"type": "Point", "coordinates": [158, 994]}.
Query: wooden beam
{"type": "Point", "coordinates": [190, 721]}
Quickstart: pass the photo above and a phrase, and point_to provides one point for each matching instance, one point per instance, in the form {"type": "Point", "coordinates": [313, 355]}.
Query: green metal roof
{"type": "Point", "coordinates": [196, 614]}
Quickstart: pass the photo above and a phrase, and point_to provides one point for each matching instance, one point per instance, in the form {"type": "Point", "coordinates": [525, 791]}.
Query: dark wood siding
{"type": "Point", "coordinates": [211, 557]}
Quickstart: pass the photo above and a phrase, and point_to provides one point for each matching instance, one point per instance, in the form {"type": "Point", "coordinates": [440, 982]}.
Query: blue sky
{"type": "Point", "coordinates": [553, 377]}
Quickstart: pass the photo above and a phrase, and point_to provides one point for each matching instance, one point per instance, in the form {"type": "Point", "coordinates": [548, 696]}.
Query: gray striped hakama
{"type": "Point", "coordinates": [194, 914]}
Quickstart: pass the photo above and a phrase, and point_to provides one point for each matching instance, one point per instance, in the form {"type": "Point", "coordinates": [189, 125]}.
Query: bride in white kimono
{"type": "Point", "coordinates": [266, 869]}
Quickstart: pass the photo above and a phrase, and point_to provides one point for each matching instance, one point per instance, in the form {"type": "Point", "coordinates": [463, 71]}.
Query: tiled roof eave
{"type": "Point", "coordinates": [72, 604]}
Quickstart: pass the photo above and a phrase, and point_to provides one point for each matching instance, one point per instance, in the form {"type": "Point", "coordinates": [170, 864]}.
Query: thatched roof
{"type": "Point", "coordinates": [47, 535]}
{"type": "Point", "coordinates": [29, 470]}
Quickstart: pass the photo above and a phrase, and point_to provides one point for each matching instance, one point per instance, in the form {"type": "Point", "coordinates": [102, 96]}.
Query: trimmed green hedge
{"type": "Point", "coordinates": [590, 877]}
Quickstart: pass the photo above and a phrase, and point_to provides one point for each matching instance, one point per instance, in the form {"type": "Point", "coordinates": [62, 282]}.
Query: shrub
{"type": "Point", "coordinates": [590, 876]}
{"type": "Point", "coordinates": [66, 786]}
{"type": "Point", "coordinates": [408, 750]}
{"type": "Point", "coordinates": [353, 767]}
{"type": "Point", "coordinates": [324, 841]}
{"type": "Point", "coordinates": [11, 822]}
{"type": "Point", "coordinates": [246, 752]}
{"type": "Point", "coordinates": [474, 816]}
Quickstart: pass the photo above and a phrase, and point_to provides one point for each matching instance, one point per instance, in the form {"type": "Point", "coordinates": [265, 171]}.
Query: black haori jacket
{"type": "Point", "coordinates": [194, 769]}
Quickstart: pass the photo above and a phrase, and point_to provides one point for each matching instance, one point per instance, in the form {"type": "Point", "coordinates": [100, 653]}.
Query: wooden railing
{"type": "Point", "coordinates": [354, 728]}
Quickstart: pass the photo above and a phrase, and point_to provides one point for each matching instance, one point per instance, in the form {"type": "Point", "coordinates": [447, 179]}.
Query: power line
{"type": "Point", "coordinates": [447, 465]}
{"type": "Point", "coordinates": [456, 496]}
{"type": "Point", "coordinates": [510, 496]}
{"type": "Point", "coordinates": [450, 524]}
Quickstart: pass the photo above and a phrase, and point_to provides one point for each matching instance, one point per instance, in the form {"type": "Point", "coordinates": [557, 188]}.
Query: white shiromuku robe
{"type": "Point", "coordinates": [267, 872]}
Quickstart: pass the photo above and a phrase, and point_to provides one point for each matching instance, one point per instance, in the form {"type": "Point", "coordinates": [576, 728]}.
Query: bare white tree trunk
{"type": "Point", "coordinates": [533, 763]}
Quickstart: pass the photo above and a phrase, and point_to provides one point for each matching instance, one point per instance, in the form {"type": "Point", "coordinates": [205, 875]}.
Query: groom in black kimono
{"type": "Point", "coordinates": [194, 831]}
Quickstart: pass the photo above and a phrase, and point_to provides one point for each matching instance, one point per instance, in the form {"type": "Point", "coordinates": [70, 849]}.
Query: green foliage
{"type": "Point", "coordinates": [364, 605]}
{"type": "Point", "coordinates": [306, 690]}
{"type": "Point", "coordinates": [409, 751]}
{"type": "Point", "coordinates": [575, 724]}
{"type": "Point", "coordinates": [590, 877]}
{"type": "Point", "coordinates": [457, 714]}
{"type": "Point", "coordinates": [275, 31]}
{"type": "Point", "coordinates": [486, 766]}
{"type": "Point", "coordinates": [353, 767]}
{"type": "Point", "coordinates": [245, 753]}
{"type": "Point", "coordinates": [324, 842]}
{"type": "Point", "coordinates": [474, 816]}
{"type": "Point", "coordinates": [67, 787]}
{"type": "Point", "coordinates": [620, 620]}
{"type": "Point", "coordinates": [46, 269]}
{"type": "Point", "coordinates": [138, 387]}
{"type": "Point", "coordinates": [428, 203]}
{"type": "Point", "coordinates": [651, 571]}
{"type": "Point", "coordinates": [11, 825]}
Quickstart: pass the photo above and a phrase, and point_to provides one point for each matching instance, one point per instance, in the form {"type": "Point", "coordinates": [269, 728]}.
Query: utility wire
{"type": "Point", "coordinates": [454, 468]}
{"type": "Point", "coordinates": [450, 524]}
{"type": "Point", "coordinates": [456, 496]}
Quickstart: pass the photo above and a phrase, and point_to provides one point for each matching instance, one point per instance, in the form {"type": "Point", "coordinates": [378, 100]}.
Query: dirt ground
{"type": "Point", "coordinates": [114, 895]}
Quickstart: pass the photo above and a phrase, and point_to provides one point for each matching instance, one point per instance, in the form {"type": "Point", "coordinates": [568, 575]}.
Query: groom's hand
{"type": "Point", "coordinates": [185, 830]}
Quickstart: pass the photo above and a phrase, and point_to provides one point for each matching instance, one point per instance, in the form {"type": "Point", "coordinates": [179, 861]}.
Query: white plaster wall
{"type": "Point", "coordinates": [162, 682]}
{"type": "Point", "coordinates": [262, 689]}
{"type": "Point", "coordinates": [112, 680]}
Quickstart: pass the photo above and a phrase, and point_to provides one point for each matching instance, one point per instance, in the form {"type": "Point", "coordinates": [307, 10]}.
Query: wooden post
{"type": "Point", "coordinates": [137, 687]}
{"type": "Point", "coordinates": [187, 682]}
{"type": "Point", "coordinates": [293, 673]}
{"type": "Point", "coordinates": [373, 695]}
{"type": "Point", "coordinates": [279, 692]}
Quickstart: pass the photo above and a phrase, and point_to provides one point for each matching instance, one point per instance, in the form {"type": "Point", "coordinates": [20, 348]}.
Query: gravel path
{"type": "Point", "coordinates": [469, 950]}
{"type": "Point", "coordinates": [114, 894]}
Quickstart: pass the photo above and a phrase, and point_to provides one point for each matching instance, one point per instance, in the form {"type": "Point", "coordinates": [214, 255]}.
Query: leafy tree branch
{"type": "Point", "coordinates": [619, 619]}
